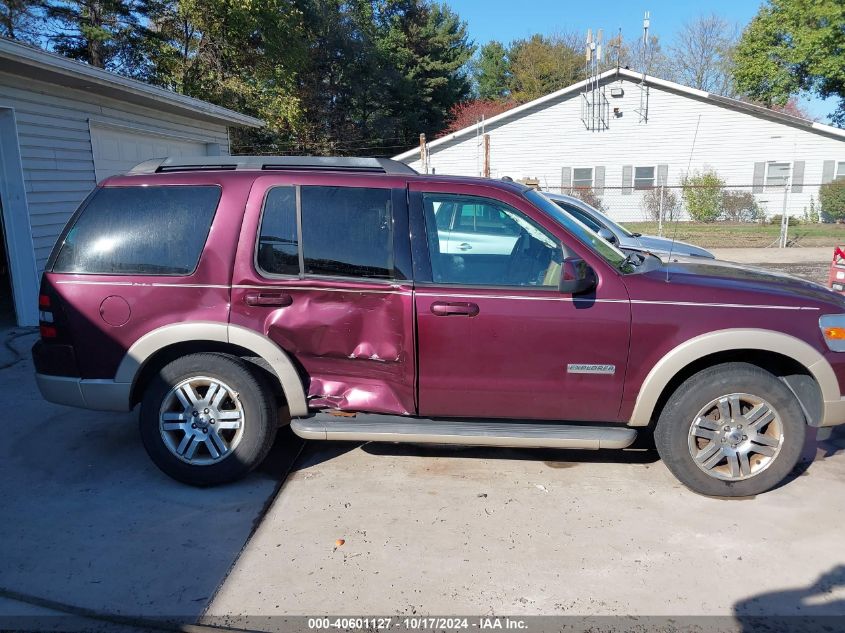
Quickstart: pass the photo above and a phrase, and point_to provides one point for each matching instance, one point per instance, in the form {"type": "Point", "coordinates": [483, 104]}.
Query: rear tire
{"type": "Point", "coordinates": [207, 419]}
{"type": "Point", "coordinates": [732, 430]}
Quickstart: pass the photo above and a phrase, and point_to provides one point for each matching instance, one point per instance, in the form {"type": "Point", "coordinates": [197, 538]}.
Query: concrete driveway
{"type": "Point", "coordinates": [91, 528]}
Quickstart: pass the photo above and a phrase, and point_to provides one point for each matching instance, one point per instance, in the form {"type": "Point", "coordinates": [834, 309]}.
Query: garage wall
{"type": "Point", "coordinates": [56, 146]}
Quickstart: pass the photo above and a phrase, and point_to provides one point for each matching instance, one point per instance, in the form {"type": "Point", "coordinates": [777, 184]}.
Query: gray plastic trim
{"type": "Point", "coordinates": [394, 428]}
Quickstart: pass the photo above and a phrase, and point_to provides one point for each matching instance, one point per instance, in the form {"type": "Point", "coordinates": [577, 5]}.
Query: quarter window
{"type": "Point", "coordinates": [777, 175]}
{"type": "Point", "coordinates": [643, 177]}
{"type": "Point", "coordinates": [159, 230]}
{"type": "Point", "coordinates": [278, 243]}
{"type": "Point", "coordinates": [582, 178]}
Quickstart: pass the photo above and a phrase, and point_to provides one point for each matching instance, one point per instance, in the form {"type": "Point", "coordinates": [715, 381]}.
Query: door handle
{"type": "Point", "coordinates": [269, 299]}
{"type": "Point", "coordinates": [465, 247]}
{"type": "Point", "coordinates": [443, 308]}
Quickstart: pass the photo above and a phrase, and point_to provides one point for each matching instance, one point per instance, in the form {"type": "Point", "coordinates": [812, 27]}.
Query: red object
{"type": "Point", "coordinates": [836, 276]}
{"type": "Point", "coordinates": [412, 345]}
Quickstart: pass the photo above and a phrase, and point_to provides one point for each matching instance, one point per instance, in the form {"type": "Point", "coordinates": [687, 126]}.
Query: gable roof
{"type": "Point", "coordinates": [33, 63]}
{"type": "Point", "coordinates": [671, 86]}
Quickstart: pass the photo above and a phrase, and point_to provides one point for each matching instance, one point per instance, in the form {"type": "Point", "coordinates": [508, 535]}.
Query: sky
{"type": "Point", "coordinates": [507, 20]}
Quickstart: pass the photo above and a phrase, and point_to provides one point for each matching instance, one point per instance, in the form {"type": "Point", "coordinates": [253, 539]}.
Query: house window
{"type": "Point", "coordinates": [643, 177]}
{"type": "Point", "coordinates": [840, 170]}
{"type": "Point", "coordinates": [582, 178]}
{"type": "Point", "coordinates": [777, 175]}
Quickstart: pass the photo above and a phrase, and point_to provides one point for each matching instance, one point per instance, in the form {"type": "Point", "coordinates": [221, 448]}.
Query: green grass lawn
{"type": "Point", "coordinates": [728, 235]}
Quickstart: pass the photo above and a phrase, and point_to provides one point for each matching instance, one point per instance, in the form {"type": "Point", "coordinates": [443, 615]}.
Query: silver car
{"type": "Point", "coordinates": [620, 236]}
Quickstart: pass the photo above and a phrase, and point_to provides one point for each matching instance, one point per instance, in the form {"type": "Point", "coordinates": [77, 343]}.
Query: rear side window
{"type": "Point", "coordinates": [347, 231]}
{"type": "Point", "coordinates": [139, 230]}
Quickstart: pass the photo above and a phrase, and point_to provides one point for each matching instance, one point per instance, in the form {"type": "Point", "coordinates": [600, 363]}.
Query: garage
{"type": "Point", "coordinates": [117, 149]}
{"type": "Point", "coordinates": [64, 127]}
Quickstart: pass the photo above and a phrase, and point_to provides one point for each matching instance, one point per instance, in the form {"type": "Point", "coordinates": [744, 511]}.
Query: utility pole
{"type": "Point", "coordinates": [423, 153]}
{"type": "Point", "coordinates": [486, 156]}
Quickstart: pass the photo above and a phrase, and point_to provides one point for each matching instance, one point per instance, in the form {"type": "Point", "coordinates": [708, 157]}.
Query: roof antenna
{"type": "Point", "coordinates": [677, 218]}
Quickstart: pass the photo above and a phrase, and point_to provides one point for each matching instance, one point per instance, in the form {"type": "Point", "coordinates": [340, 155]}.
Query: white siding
{"type": "Point", "coordinates": [539, 142]}
{"type": "Point", "coordinates": [55, 144]}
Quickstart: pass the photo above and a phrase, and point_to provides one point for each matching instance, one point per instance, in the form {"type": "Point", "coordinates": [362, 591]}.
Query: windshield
{"type": "Point", "coordinates": [604, 249]}
{"type": "Point", "coordinates": [607, 220]}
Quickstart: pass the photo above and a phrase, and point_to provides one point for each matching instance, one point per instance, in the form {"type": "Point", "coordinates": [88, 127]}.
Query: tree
{"type": "Point", "coordinates": [240, 55]}
{"type": "Point", "coordinates": [471, 112]}
{"type": "Point", "coordinates": [18, 20]}
{"type": "Point", "coordinates": [832, 200]}
{"type": "Point", "coordinates": [103, 33]}
{"type": "Point", "coordinates": [702, 193]}
{"type": "Point", "coordinates": [426, 48]}
{"type": "Point", "coordinates": [542, 64]}
{"type": "Point", "coordinates": [491, 72]}
{"type": "Point", "coordinates": [792, 46]}
{"type": "Point", "coordinates": [702, 55]}
{"type": "Point", "coordinates": [650, 59]}
{"type": "Point", "coordinates": [660, 201]}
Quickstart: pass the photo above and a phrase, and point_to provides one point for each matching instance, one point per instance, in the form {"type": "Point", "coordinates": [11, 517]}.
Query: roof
{"type": "Point", "coordinates": [625, 73]}
{"type": "Point", "coordinates": [32, 63]}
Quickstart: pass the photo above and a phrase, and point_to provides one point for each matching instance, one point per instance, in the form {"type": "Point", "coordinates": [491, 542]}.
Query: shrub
{"type": "Point", "coordinates": [811, 215]}
{"type": "Point", "coordinates": [650, 203]}
{"type": "Point", "coordinates": [703, 195]}
{"type": "Point", "coordinates": [588, 195]}
{"type": "Point", "coordinates": [832, 200]}
{"type": "Point", "coordinates": [777, 219]}
{"type": "Point", "coordinates": [740, 206]}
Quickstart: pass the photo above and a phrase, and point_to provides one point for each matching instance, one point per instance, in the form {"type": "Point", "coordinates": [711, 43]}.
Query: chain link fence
{"type": "Point", "coordinates": [728, 203]}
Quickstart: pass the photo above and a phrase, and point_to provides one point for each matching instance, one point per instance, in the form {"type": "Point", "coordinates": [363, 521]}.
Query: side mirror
{"type": "Point", "coordinates": [608, 236]}
{"type": "Point", "coordinates": [576, 276]}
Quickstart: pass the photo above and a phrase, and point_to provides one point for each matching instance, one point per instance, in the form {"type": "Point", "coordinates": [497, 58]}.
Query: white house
{"type": "Point", "coordinates": [627, 134]}
{"type": "Point", "coordinates": [64, 126]}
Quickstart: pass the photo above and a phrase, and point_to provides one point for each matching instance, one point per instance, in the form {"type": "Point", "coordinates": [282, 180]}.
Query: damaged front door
{"type": "Point", "coordinates": [323, 271]}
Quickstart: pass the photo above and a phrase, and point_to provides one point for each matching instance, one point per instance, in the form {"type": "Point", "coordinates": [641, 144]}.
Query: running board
{"type": "Point", "coordinates": [395, 428]}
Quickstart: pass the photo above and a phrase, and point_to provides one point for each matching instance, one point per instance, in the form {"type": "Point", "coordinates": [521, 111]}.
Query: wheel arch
{"type": "Point", "coordinates": [794, 358]}
{"type": "Point", "coordinates": [213, 337]}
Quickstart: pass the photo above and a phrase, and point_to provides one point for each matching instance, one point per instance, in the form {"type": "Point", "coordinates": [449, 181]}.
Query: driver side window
{"type": "Point", "coordinates": [489, 243]}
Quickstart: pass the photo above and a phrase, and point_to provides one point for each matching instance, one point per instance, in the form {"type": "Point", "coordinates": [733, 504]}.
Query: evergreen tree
{"type": "Point", "coordinates": [491, 72]}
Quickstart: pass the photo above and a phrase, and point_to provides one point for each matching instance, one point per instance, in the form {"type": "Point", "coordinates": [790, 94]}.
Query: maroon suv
{"type": "Point", "coordinates": [228, 295]}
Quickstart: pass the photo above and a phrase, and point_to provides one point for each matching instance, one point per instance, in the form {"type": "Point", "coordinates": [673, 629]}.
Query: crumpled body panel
{"type": "Point", "coordinates": [355, 344]}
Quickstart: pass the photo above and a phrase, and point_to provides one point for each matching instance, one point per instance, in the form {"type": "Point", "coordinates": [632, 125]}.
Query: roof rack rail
{"type": "Point", "coordinates": [270, 163]}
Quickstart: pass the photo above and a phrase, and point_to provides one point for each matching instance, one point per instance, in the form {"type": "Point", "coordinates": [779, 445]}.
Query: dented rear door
{"type": "Point", "coordinates": [323, 269]}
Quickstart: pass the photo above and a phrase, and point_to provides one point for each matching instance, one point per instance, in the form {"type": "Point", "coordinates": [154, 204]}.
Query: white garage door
{"type": "Point", "coordinates": [116, 151]}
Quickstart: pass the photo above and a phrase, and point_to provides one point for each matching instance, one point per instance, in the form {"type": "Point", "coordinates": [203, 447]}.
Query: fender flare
{"type": "Point", "coordinates": [154, 341]}
{"type": "Point", "coordinates": [726, 340]}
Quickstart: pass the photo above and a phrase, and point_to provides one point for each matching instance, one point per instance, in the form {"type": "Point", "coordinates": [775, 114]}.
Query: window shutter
{"type": "Point", "coordinates": [759, 177]}
{"type": "Point", "coordinates": [662, 175]}
{"type": "Point", "coordinates": [627, 179]}
{"type": "Point", "coordinates": [798, 176]}
{"type": "Point", "coordinates": [565, 179]}
{"type": "Point", "coordinates": [827, 171]}
{"type": "Point", "coordinates": [598, 180]}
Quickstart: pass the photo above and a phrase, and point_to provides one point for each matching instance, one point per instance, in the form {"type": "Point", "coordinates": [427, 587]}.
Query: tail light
{"type": "Point", "coordinates": [46, 314]}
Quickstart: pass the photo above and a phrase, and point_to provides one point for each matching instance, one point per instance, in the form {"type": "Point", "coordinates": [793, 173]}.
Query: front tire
{"type": "Point", "coordinates": [206, 419]}
{"type": "Point", "coordinates": [732, 430]}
